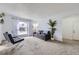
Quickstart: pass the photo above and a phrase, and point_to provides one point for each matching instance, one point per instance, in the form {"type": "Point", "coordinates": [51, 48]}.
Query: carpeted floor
{"type": "Point", "coordinates": [36, 46]}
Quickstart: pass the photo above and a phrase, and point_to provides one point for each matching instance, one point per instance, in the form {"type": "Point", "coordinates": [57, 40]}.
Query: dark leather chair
{"type": "Point", "coordinates": [48, 36]}
{"type": "Point", "coordinates": [11, 39]}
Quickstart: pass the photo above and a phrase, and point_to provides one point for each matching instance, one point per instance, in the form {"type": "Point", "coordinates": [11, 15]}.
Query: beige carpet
{"type": "Point", "coordinates": [35, 46]}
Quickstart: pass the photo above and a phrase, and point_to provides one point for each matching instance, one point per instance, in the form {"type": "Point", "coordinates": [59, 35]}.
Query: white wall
{"type": "Point", "coordinates": [68, 27]}
{"type": "Point", "coordinates": [10, 24]}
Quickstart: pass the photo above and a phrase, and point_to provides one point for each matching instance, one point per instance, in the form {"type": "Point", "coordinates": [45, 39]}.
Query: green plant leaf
{"type": "Point", "coordinates": [52, 24]}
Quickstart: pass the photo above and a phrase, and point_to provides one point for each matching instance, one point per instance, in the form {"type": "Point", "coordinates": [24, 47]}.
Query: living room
{"type": "Point", "coordinates": [24, 20]}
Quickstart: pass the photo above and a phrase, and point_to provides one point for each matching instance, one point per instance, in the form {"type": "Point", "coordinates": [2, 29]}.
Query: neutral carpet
{"type": "Point", "coordinates": [36, 46]}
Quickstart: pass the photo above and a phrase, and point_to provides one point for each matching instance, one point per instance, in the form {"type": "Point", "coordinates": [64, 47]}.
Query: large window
{"type": "Point", "coordinates": [22, 28]}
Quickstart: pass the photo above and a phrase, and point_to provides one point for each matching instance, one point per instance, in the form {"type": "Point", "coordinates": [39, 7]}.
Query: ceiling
{"type": "Point", "coordinates": [39, 9]}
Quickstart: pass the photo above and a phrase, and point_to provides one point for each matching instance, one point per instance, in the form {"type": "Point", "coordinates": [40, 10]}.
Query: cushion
{"type": "Point", "coordinates": [6, 36]}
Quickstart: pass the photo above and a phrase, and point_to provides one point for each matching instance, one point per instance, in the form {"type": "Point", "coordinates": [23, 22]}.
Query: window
{"type": "Point", "coordinates": [22, 28]}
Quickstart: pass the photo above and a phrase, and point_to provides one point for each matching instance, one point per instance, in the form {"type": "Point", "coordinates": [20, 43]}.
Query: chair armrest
{"type": "Point", "coordinates": [17, 37]}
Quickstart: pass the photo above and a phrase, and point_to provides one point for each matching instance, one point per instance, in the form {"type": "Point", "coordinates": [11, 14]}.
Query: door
{"type": "Point", "coordinates": [67, 27]}
{"type": "Point", "coordinates": [76, 29]}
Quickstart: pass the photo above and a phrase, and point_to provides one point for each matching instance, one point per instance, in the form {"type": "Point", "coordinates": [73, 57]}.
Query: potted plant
{"type": "Point", "coordinates": [52, 24]}
{"type": "Point", "coordinates": [1, 18]}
